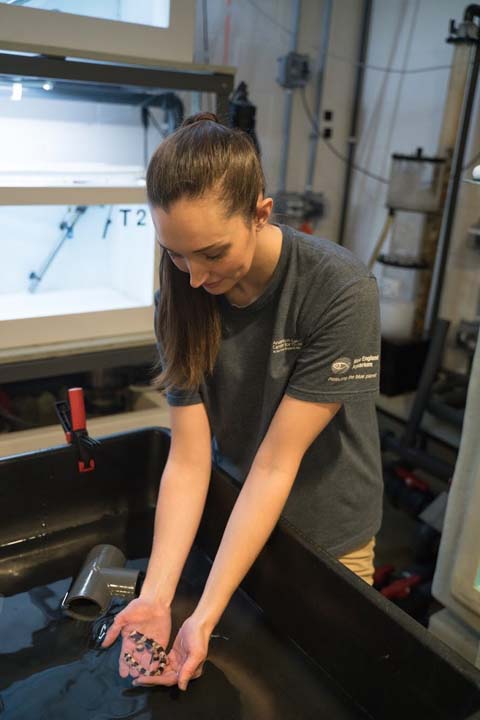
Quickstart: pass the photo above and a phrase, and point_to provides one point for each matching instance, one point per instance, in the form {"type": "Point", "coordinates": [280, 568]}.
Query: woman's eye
{"type": "Point", "coordinates": [175, 256]}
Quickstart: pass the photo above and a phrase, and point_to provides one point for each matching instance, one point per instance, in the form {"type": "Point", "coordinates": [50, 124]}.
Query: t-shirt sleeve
{"type": "Point", "coordinates": [175, 396]}
{"type": "Point", "coordinates": [340, 357]}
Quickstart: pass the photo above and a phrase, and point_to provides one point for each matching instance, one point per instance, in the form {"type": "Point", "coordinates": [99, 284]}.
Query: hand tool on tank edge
{"type": "Point", "coordinates": [72, 417]}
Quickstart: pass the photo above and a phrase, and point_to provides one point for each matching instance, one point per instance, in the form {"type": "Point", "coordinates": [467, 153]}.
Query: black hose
{"type": "Point", "coordinates": [172, 103]}
{"type": "Point", "coordinates": [471, 11]}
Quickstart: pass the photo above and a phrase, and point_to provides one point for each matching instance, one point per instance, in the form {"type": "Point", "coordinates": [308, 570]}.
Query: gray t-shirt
{"type": "Point", "coordinates": [313, 334]}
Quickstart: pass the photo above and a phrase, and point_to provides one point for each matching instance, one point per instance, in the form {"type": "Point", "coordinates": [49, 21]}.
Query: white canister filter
{"type": "Point", "coordinates": [398, 281]}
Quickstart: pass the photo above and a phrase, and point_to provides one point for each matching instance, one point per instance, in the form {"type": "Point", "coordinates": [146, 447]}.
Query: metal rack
{"type": "Point", "coordinates": [125, 78]}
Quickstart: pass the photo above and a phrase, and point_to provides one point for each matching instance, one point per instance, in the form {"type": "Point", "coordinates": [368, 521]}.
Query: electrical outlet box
{"type": "Point", "coordinates": [293, 70]}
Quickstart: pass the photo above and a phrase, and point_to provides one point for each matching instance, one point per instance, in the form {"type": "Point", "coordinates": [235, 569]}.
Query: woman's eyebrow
{"type": "Point", "coordinates": [207, 247]}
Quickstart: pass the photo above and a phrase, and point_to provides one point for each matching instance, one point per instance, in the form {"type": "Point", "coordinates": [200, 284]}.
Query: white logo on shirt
{"type": "Point", "coordinates": [342, 365]}
{"type": "Point", "coordinates": [286, 344]}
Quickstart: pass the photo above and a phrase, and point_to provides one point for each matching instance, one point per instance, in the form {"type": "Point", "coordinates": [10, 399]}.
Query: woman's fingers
{"type": "Point", "coordinates": [190, 670]}
{"type": "Point", "coordinates": [167, 679]}
{"type": "Point", "coordinates": [114, 630]}
{"type": "Point", "coordinates": [175, 673]}
{"type": "Point", "coordinates": [198, 672]}
{"type": "Point", "coordinates": [141, 656]}
{"type": "Point", "coordinates": [123, 668]}
{"type": "Point", "coordinates": [127, 649]}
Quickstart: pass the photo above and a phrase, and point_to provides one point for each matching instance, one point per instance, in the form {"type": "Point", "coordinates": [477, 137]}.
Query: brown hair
{"type": "Point", "coordinates": [202, 156]}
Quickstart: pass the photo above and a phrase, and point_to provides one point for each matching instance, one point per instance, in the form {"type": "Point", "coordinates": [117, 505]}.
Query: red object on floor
{"type": "Point", "coordinates": [5, 401]}
{"type": "Point", "coordinates": [411, 480]}
{"type": "Point", "coordinates": [305, 227]}
{"type": "Point", "coordinates": [401, 588]}
{"type": "Point", "coordinates": [381, 574]}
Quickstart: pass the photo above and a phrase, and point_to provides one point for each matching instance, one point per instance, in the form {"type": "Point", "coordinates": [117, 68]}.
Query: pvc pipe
{"type": "Point", "coordinates": [352, 140]}
{"type": "Point", "coordinates": [441, 257]}
{"type": "Point", "coordinates": [321, 62]}
{"type": "Point", "coordinates": [101, 577]}
{"type": "Point", "coordinates": [287, 113]}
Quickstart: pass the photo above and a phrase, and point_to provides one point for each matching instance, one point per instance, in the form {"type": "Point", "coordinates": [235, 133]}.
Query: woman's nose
{"type": "Point", "coordinates": [197, 274]}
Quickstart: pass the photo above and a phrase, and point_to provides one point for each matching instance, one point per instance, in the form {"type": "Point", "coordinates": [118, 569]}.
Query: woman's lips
{"type": "Point", "coordinates": [212, 285]}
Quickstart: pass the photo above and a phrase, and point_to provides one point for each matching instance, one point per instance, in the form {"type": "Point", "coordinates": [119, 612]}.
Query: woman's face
{"type": "Point", "coordinates": [215, 250]}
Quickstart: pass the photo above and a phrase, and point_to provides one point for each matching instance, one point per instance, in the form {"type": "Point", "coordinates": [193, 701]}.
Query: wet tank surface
{"type": "Point", "coordinates": [304, 638]}
{"type": "Point", "coordinates": [51, 667]}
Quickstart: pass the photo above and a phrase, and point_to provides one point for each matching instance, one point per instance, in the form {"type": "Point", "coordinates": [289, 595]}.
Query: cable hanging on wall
{"type": "Point", "coordinates": [355, 63]}
{"type": "Point", "coordinates": [344, 159]}
{"type": "Point", "coordinates": [389, 70]}
{"type": "Point", "coordinates": [338, 154]}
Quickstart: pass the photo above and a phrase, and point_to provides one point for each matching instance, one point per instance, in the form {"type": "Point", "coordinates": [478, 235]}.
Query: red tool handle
{"type": "Point", "coordinates": [411, 480]}
{"type": "Point", "coordinates": [401, 588]}
{"type": "Point", "coordinates": [77, 409]}
{"type": "Point", "coordinates": [382, 574]}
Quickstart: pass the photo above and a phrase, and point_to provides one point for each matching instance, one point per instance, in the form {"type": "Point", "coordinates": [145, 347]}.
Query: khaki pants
{"type": "Point", "coordinates": [361, 561]}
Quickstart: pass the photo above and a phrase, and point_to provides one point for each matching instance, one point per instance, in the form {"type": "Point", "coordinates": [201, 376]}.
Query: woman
{"type": "Point", "coordinates": [269, 345]}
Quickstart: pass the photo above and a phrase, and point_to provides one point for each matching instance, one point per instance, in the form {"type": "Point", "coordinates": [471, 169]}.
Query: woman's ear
{"type": "Point", "coordinates": [264, 210]}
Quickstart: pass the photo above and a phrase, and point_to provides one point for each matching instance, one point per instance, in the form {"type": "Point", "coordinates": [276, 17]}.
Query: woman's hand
{"type": "Point", "coordinates": [186, 658]}
{"type": "Point", "coordinates": [145, 617]}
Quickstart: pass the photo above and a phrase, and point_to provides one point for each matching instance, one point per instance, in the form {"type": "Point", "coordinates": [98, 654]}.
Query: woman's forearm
{"type": "Point", "coordinates": [251, 522]}
{"type": "Point", "coordinates": [181, 500]}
